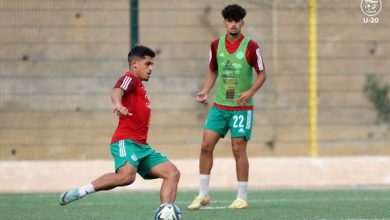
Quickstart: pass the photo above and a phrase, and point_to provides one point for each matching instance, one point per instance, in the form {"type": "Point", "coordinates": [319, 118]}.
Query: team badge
{"type": "Point", "coordinates": [240, 55]}
{"type": "Point", "coordinates": [371, 7]}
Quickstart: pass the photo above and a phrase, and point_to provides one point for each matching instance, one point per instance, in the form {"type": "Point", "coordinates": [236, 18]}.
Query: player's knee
{"type": "Point", "coordinates": [206, 148]}
{"type": "Point", "coordinates": [129, 180]}
{"type": "Point", "coordinates": [239, 148]}
{"type": "Point", "coordinates": [238, 153]}
{"type": "Point", "coordinates": [174, 174]}
{"type": "Point", "coordinates": [125, 180]}
{"type": "Point", "coordinates": [239, 142]}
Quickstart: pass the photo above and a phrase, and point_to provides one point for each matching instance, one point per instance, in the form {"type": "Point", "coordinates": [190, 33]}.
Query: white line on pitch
{"type": "Point", "coordinates": [214, 207]}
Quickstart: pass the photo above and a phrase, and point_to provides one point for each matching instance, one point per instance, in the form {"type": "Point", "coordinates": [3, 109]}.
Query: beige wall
{"type": "Point", "coordinates": [265, 173]}
{"type": "Point", "coordinates": [59, 60]}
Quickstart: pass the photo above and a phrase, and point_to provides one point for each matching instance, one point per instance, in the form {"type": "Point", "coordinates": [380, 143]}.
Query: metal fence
{"type": "Point", "coordinates": [59, 60]}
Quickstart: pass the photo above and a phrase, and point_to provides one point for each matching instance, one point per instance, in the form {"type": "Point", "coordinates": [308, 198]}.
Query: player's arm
{"type": "Point", "coordinates": [208, 84]}
{"type": "Point", "coordinates": [116, 98]}
{"type": "Point", "coordinates": [211, 77]}
{"type": "Point", "coordinates": [126, 84]}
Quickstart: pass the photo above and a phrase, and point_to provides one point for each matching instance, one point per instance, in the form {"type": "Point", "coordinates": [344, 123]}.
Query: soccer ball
{"type": "Point", "coordinates": [168, 212]}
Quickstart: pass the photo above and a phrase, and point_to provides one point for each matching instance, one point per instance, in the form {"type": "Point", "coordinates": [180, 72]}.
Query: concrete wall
{"type": "Point", "coordinates": [265, 173]}
{"type": "Point", "coordinates": [59, 60]}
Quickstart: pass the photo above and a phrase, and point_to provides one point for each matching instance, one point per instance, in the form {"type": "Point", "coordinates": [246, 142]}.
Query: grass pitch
{"type": "Point", "coordinates": [352, 204]}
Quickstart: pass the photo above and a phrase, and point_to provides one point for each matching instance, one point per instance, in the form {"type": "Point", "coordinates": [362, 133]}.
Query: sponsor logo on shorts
{"type": "Point", "coordinates": [133, 157]}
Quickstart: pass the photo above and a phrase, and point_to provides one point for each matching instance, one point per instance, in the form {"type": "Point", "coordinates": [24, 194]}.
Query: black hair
{"type": "Point", "coordinates": [140, 52]}
{"type": "Point", "coordinates": [233, 12]}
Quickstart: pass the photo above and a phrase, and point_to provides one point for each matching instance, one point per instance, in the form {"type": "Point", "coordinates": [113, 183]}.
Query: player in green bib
{"type": "Point", "coordinates": [232, 59]}
{"type": "Point", "coordinates": [234, 74]}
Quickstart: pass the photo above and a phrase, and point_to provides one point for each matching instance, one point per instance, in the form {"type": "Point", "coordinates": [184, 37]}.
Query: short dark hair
{"type": "Point", "coordinates": [140, 52]}
{"type": "Point", "coordinates": [233, 12]}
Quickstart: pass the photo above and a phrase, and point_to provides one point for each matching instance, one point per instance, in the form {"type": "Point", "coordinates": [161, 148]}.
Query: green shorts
{"type": "Point", "coordinates": [142, 156]}
{"type": "Point", "coordinates": [238, 122]}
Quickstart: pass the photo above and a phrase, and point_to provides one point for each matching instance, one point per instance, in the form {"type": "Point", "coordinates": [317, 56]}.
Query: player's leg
{"type": "Point", "coordinates": [242, 171]}
{"type": "Point", "coordinates": [241, 157]}
{"type": "Point", "coordinates": [216, 127]}
{"type": "Point", "coordinates": [170, 175]}
{"type": "Point", "coordinates": [210, 139]}
{"type": "Point", "coordinates": [241, 129]}
{"type": "Point", "coordinates": [125, 175]}
{"type": "Point", "coordinates": [125, 167]}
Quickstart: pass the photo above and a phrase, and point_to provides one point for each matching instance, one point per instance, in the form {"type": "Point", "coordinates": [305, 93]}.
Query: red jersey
{"type": "Point", "coordinates": [135, 99]}
{"type": "Point", "coordinates": [252, 54]}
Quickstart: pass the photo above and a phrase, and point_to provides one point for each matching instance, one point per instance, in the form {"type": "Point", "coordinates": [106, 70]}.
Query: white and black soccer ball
{"type": "Point", "coordinates": [168, 212]}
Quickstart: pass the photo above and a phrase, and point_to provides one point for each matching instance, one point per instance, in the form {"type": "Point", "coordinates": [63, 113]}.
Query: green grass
{"type": "Point", "coordinates": [357, 204]}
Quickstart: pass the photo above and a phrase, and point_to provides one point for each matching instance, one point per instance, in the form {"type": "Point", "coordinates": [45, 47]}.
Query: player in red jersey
{"type": "Point", "coordinates": [129, 145]}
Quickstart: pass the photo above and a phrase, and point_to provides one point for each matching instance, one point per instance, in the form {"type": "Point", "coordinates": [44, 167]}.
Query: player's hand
{"type": "Point", "coordinates": [121, 110]}
{"type": "Point", "coordinates": [201, 97]}
{"type": "Point", "coordinates": [244, 98]}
